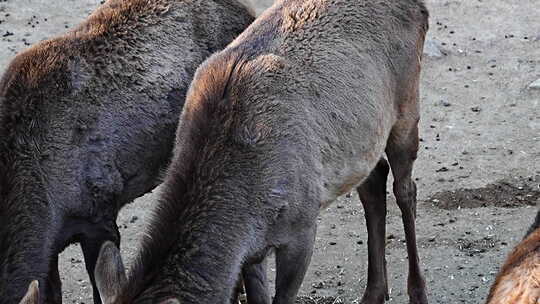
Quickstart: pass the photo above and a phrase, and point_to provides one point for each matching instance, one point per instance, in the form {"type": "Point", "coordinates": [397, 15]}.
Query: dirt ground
{"type": "Point", "coordinates": [480, 131]}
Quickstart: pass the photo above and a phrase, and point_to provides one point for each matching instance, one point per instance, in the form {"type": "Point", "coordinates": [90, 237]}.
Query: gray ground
{"type": "Point", "coordinates": [480, 125]}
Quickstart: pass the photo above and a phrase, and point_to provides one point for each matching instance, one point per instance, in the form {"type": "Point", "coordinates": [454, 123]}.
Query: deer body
{"type": "Point", "coordinates": [297, 111]}
{"type": "Point", "coordinates": [87, 123]}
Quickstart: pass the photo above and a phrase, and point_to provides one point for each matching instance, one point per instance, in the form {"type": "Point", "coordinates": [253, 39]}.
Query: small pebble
{"type": "Point", "coordinates": [431, 49]}
{"type": "Point", "coordinates": [535, 85]}
{"type": "Point", "coordinates": [444, 103]}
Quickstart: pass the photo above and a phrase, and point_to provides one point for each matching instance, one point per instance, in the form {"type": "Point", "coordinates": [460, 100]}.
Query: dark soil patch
{"type": "Point", "coordinates": [476, 247]}
{"type": "Point", "coordinates": [499, 194]}
{"type": "Point", "coordinates": [318, 300]}
{"type": "Point", "coordinates": [313, 300]}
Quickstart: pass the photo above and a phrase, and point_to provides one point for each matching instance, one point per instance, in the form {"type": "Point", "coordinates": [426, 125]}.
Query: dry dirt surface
{"type": "Point", "coordinates": [478, 169]}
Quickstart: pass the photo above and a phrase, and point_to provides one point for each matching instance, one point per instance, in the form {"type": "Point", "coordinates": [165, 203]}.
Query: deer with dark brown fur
{"type": "Point", "coordinates": [518, 282]}
{"type": "Point", "coordinates": [297, 111]}
{"type": "Point", "coordinates": [87, 123]}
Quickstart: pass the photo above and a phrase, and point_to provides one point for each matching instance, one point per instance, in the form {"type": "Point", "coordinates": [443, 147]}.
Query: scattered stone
{"type": "Point", "coordinates": [7, 34]}
{"type": "Point", "coordinates": [133, 219]}
{"type": "Point", "coordinates": [535, 85]}
{"type": "Point", "coordinates": [476, 109]}
{"type": "Point", "coordinates": [318, 300]}
{"type": "Point", "coordinates": [444, 103]}
{"type": "Point", "coordinates": [431, 49]}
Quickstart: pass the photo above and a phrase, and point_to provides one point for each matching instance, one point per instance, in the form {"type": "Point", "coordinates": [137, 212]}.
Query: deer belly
{"type": "Point", "coordinates": [342, 182]}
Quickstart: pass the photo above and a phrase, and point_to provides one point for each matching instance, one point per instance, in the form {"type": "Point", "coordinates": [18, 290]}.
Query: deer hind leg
{"type": "Point", "coordinates": [238, 290]}
{"type": "Point", "coordinates": [372, 194]}
{"type": "Point", "coordinates": [91, 246]}
{"type": "Point", "coordinates": [54, 286]}
{"type": "Point", "coordinates": [292, 261]}
{"type": "Point", "coordinates": [256, 283]}
{"type": "Point", "coordinates": [401, 150]}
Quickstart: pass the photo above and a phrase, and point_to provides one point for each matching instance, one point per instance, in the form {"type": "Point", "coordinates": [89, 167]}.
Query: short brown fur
{"type": "Point", "coordinates": [518, 281]}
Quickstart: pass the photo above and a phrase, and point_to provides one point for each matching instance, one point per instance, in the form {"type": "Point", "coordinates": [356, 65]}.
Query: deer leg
{"type": "Point", "coordinates": [292, 261]}
{"type": "Point", "coordinates": [238, 289]}
{"type": "Point", "coordinates": [91, 247]}
{"type": "Point", "coordinates": [401, 151]}
{"type": "Point", "coordinates": [256, 283]}
{"type": "Point", "coordinates": [372, 194]}
{"type": "Point", "coordinates": [54, 286]}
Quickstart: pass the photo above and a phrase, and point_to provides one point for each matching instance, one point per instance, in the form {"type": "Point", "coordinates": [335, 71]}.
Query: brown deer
{"type": "Point", "coordinates": [297, 111]}
{"type": "Point", "coordinates": [518, 282]}
{"type": "Point", "coordinates": [87, 123]}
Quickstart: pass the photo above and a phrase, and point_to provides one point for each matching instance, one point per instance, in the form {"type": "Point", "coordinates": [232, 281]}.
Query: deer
{"type": "Point", "coordinates": [298, 110]}
{"type": "Point", "coordinates": [87, 124]}
{"type": "Point", "coordinates": [518, 281]}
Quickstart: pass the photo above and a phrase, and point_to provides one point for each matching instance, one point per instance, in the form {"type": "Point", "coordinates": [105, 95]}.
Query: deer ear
{"type": "Point", "coordinates": [110, 273]}
{"type": "Point", "coordinates": [32, 295]}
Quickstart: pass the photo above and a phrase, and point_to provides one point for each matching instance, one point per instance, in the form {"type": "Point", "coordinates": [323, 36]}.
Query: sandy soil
{"type": "Point", "coordinates": [480, 130]}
